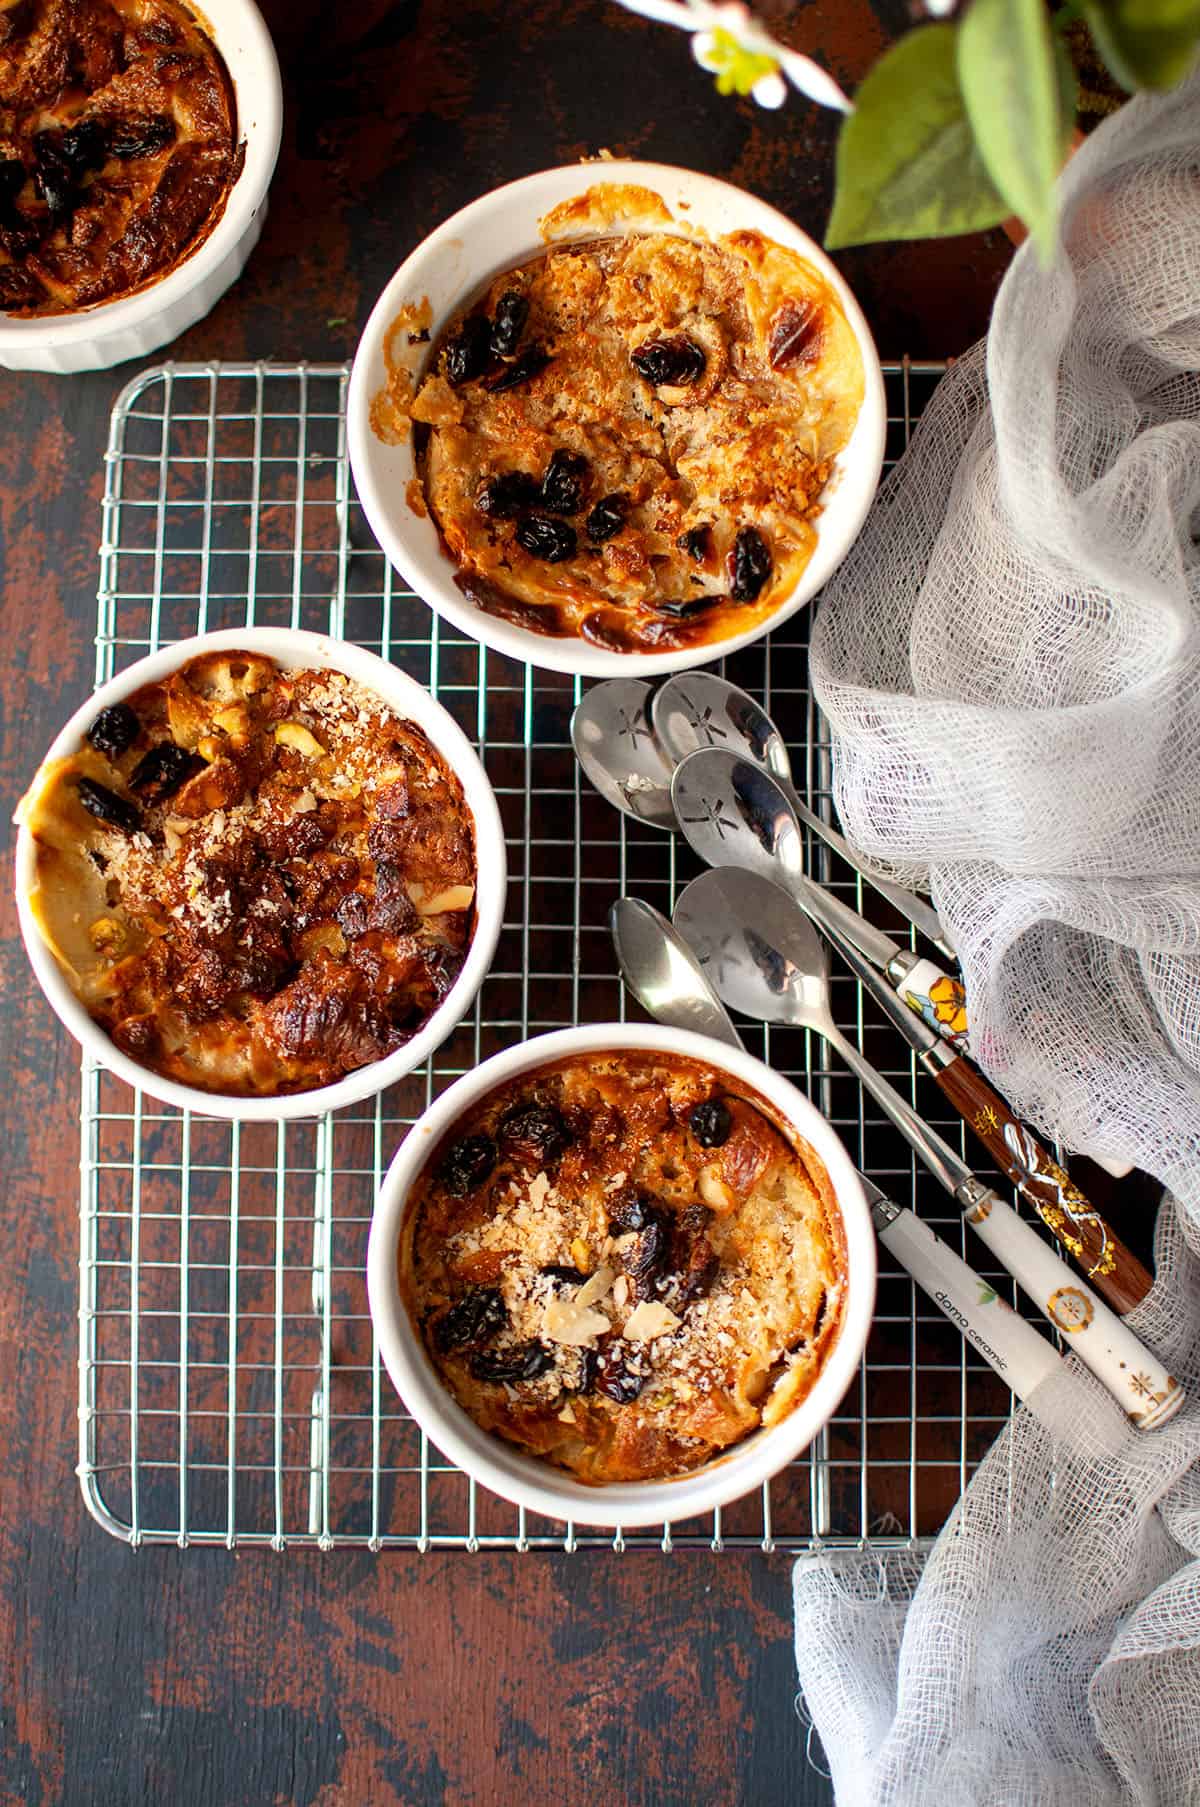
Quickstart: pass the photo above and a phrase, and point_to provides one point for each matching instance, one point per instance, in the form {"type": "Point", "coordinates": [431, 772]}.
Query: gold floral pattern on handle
{"type": "Point", "coordinates": [1059, 1202]}
{"type": "Point", "coordinates": [1069, 1309]}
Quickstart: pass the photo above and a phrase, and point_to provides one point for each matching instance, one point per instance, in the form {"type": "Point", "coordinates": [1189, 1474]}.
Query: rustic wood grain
{"type": "Point", "coordinates": [201, 1677]}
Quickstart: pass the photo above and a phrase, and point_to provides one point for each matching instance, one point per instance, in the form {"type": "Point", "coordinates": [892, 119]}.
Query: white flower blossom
{"type": "Point", "coordinates": [746, 59]}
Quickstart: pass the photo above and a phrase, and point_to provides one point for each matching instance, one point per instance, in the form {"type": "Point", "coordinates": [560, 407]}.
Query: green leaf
{"type": "Point", "coordinates": [1146, 43]}
{"type": "Point", "coordinates": [907, 166]}
{"type": "Point", "coordinates": [1010, 87]}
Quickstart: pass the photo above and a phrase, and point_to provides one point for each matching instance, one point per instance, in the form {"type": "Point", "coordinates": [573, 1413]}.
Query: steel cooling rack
{"type": "Point", "coordinates": [230, 1388]}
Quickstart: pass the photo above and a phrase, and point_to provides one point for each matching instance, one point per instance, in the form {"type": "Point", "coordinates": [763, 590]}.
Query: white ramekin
{"type": "Point", "coordinates": [111, 331]}
{"type": "Point", "coordinates": [459, 259]}
{"type": "Point", "coordinates": [537, 1485]}
{"type": "Point", "coordinates": [291, 648]}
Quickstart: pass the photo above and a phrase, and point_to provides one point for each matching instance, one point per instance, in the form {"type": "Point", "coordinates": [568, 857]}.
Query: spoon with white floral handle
{"type": "Point", "coordinates": [736, 813]}
{"type": "Point", "coordinates": [1136, 1378]}
{"type": "Point", "coordinates": [663, 974]}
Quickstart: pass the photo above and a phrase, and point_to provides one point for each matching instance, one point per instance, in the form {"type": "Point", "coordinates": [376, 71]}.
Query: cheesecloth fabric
{"type": "Point", "coordinates": [1010, 663]}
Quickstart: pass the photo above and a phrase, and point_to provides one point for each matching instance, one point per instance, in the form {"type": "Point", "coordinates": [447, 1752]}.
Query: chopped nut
{"type": "Point", "coordinates": [106, 934]}
{"type": "Point", "coordinates": [581, 1255]}
{"type": "Point", "coordinates": [438, 903]}
{"type": "Point", "coordinates": [713, 1190]}
{"type": "Point", "coordinates": [297, 736]}
{"type": "Point", "coordinates": [209, 747]}
{"type": "Point", "coordinates": [621, 1291]}
{"type": "Point", "coordinates": [234, 721]}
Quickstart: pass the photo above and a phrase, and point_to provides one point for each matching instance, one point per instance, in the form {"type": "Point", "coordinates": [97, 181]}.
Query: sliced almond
{"type": "Point", "coordinates": [648, 1320]}
{"type": "Point", "coordinates": [595, 1288]}
{"type": "Point", "coordinates": [566, 1322]}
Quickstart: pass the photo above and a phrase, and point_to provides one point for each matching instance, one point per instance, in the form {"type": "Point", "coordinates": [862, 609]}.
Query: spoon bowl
{"type": "Point", "coordinates": [663, 973]}
{"type": "Point", "coordinates": [699, 709]}
{"type": "Point", "coordinates": [755, 947]}
{"type": "Point", "coordinates": [615, 745]}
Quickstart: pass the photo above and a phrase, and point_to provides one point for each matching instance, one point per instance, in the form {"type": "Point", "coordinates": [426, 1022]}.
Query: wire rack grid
{"type": "Point", "coordinates": [231, 1391]}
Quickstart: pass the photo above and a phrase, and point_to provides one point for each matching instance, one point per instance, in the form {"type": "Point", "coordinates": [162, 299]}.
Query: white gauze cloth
{"type": "Point", "coordinates": [1010, 663]}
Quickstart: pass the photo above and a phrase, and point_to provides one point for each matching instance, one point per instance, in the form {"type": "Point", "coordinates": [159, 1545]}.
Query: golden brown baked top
{"type": "Point", "coordinates": [118, 147]}
{"type": "Point", "coordinates": [256, 880]}
{"type": "Point", "coordinates": [628, 439]}
{"type": "Point", "coordinates": [621, 1264]}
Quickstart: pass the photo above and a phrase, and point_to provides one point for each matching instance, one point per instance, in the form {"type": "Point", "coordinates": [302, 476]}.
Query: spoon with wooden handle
{"type": "Point", "coordinates": [769, 962]}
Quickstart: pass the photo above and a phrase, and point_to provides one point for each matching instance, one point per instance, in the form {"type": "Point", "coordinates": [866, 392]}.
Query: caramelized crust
{"type": "Point", "coordinates": [278, 887]}
{"type": "Point", "coordinates": [117, 148]}
{"type": "Point", "coordinates": [615, 1281]}
{"type": "Point", "coordinates": [700, 392]}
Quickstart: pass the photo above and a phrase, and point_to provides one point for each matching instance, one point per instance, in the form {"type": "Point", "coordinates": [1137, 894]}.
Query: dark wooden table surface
{"type": "Point", "coordinates": [203, 1677]}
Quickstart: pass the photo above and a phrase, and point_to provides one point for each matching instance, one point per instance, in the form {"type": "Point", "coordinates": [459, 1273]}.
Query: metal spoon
{"type": "Point", "coordinates": [663, 974]}
{"type": "Point", "coordinates": [660, 970]}
{"type": "Point", "coordinates": [615, 745]}
{"type": "Point", "coordinates": [736, 813]}
{"type": "Point", "coordinates": [699, 709]}
{"type": "Point", "coordinates": [734, 926]}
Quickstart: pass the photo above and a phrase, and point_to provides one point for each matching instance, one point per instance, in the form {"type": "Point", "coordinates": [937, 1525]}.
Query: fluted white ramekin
{"type": "Point", "coordinates": [135, 325]}
{"type": "Point", "coordinates": [453, 264]}
{"type": "Point", "coordinates": [538, 1485]}
{"type": "Point", "coordinates": [293, 649]}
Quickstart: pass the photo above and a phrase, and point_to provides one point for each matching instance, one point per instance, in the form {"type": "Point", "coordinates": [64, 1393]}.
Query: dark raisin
{"type": "Point", "coordinates": [711, 1122]}
{"type": "Point", "coordinates": [477, 1315]}
{"type": "Point", "coordinates": [796, 334]}
{"type": "Point", "coordinates": [696, 542]}
{"type": "Point", "coordinates": [419, 338]}
{"type": "Point", "coordinates": [159, 773]}
{"type": "Point", "coordinates": [503, 497]}
{"type": "Point", "coordinates": [12, 181]}
{"type": "Point", "coordinates": [630, 1210]}
{"type": "Point", "coordinates": [565, 482]}
{"type": "Point", "coordinates": [141, 137]}
{"type": "Point", "coordinates": [533, 1132]}
{"type": "Point", "coordinates": [84, 147]}
{"type": "Point", "coordinates": [607, 518]}
{"type": "Point", "coordinates": [634, 1213]}
{"type": "Point", "coordinates": [467, 1164]}
{"type": "Point", "coordinates": [351, 915]}
{"type": "Point", "coordinates": [615, 1376]}
{"type": "Point", "coordinates": [543, 536]}
{"type": "Point", "coordinates": [106, 806]}
{"type": "Point", "coordinates": [692, 1266]}
{"type": "Point", "coordinates": [670, 362]}
{"type": "Point", "coordinates": [12, 178]}
{"type": "Point", "coordinates": [644, 1259]}
{"type": "Point", "coordinates": [468, 353]}
{"type": "Point", "coordinates": [749, 564]}
{"type": "Point", "coordinates": [512, 311]}
{"type": "Point", "coordinates": [685, 608]}
{"type": "Point", "coordinates": [113, 730]}
{"type": "Point", "coordinates": [531, 361]}
{"type": "Point", "coordinates": [563, 1275]}
{"type": "Point", "coordinates": [585, 1378]}
{"type": "Point", "coordinates": [52, 175]}
{"type": "Point", "coordinates": [524, 1361]}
